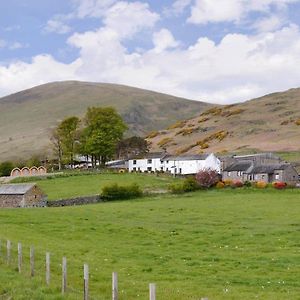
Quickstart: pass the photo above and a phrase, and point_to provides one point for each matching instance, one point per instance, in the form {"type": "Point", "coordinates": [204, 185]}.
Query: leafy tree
{"type": "Point", "coordinates": [64, 138]}
{"type": "Point", "coordinates": [5, 168]}
{"type": "Point", "coordinates": [104, 129]}
{"type": "Point", "coordinates": [132, 146]}
{"type": "Point", "coordinates": [57, 146]}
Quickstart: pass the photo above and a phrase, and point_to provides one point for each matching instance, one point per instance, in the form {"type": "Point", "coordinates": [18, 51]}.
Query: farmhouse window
{"type": "Point", "coordinates": [134, 162]}
{"type": "Point", "coordinates": [149, 169]}
{"type": "Point", "coordinates": [134, 169]}
{"type": "Point", "coordinates": [149, 161]}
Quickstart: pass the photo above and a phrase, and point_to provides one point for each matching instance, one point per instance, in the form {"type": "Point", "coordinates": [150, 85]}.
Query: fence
{"type": "Point", "coordinates": [8, 259]}
{"type": "Point", "coordinates": [11, 258]}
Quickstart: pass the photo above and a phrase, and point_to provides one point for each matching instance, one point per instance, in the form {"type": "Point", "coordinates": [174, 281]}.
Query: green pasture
{"type": "Point", "coordinates": [220, 244]}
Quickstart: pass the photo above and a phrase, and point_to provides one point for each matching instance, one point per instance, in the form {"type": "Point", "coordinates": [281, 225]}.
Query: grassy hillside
{"type": "Point", "coordinates": [229, 244]}
{"type": "Point", "coordinates": [27, 117]}
{"type": "Point", "coordinates": [270, 123]}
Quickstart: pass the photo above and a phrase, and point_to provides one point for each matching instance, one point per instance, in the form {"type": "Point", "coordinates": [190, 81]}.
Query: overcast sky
{"type": "Point", "coordinates": [220, 51]}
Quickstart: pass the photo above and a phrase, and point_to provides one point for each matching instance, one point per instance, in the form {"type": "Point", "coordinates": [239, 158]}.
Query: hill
{"type": "Point", "coordinates": [269, 123]}
{"type": "Point", "coordinates": [26, 118]}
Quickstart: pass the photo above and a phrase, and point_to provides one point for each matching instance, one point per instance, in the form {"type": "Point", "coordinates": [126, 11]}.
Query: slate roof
{"type": "Point", "coordinates": [186, 157]}
{"type": "Point", "coordinates": [15, 189]}
{"type": "Point", "coordinates": [239, 166]}
{"type": "Point", "coordinates": [269, 169]}
{"type": "Point", "coordinates": [150, 155]}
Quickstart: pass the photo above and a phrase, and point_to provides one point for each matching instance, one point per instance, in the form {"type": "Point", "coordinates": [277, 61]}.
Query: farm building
{"type": "Point", "coordinates": [21, 195]}
{"type": "Point", "coordinates": [191, 164]}
{"type": "Point", "coordinates": [176, 165]}
{"type": "Point", "coordinates": [259, 167]}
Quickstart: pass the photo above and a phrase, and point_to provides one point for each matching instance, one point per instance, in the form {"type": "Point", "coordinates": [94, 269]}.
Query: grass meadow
{"type": "Point", "coordinates": [68, 185]}
{"type": "Point", "coordinates": [220, 244]}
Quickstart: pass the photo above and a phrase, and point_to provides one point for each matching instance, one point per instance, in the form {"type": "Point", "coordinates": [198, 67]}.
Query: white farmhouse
{"type": "Point", "coordinates": [191, 164]}
{"type": "Point", "coordinates": [151, 162]}
{"type": "Point", "coordinates": [176, 165]}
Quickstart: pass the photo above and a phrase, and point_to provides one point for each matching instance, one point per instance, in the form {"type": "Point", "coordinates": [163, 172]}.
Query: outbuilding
{"type": "Point", "coordinates": [21, 195]}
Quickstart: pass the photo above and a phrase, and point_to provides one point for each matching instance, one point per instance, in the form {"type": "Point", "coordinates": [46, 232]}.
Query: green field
{"type": "Point", "coordinates": [86, 185]}
{"type": "Point", "coordinates": [220, 244]}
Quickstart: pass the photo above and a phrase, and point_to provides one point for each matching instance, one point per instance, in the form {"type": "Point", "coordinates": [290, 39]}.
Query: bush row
{"type": "Point", "coordinates": [117, 192]}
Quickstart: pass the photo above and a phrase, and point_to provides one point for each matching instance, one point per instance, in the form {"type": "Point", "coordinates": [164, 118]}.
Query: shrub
{"type": "Point", "coordinates": [176, 188]}
{"type": "Point", "coordinates": [215, 111]}
{"type": "Point", "coordinates": [297, 122]}
{"type": "Point", "coordinates": [207, 178]}
{"type": "Point", "coordinates": [164, 142]}
{"type": "Point", "coordinates": [190, 184]}
{"type": "Point", "coordinates": [227, 182]}
{"type": "Point", "coordinates": [279, 185]}
{"type": "Point", "coordinates": [116, 192]}
{"type": "Point", "coordinates": [5, 168]}
{"type": "Point", "coordinates": [261, 185]}
{"type": "Point", "coordinates": [220, 185]}
{"type": "Point", "coordinates": [178, 124]}
{"type": "Point", "coordinates": [152, 134]}
{"type": "Point", "coordinates": [237, 184]}
{"type": "Point", "coordinates": [202, 120]}
{"type": "Point", "coordinates": [247, 183]}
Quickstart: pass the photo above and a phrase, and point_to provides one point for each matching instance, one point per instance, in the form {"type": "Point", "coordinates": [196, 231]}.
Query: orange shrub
{"type": "Point", "coordinates": [202, 120]}
{"type": "Point", "coordinates": [261, 185]}
{"type": "Point", "coordinates": [152, 134]}
{"type": "Point", "coordinates": [178, 124]}
{"type": "Point", "coordinates": [164, 142]}
{"type": "Point", "coordinates": [297, 122]}
{"type": "Point", "coordinates": [220, 185]}
{"type": "Point", "coordinates": [215, 111]}
{"type": "Point", "coordinates": [227, 182]}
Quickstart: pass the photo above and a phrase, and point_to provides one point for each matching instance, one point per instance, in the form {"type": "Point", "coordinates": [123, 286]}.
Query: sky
{"type": "Point", "coordinates": [219, 51]}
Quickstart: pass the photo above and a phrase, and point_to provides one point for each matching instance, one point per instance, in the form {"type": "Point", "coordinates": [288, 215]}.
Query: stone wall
{"type": "Point", "coordinates": [11, 200]}
{"type": "Point", "coordinates": [75, 201]}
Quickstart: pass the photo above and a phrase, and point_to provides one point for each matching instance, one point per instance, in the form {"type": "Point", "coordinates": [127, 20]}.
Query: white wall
{"type": "Point", "coordinates": [143, 165]}
{"type": "Point", "coordinates": [186, 166]}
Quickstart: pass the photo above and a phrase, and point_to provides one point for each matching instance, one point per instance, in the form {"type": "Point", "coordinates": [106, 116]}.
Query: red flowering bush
{"type": "Point", "coordinates": [207, 178]}
{"type": "Point", "coordinates": [279, 185]}
{"type": "Point", "coordinates": [237, 184]}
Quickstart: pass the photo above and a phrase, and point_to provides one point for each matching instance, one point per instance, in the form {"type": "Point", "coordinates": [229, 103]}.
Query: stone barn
{"type": "Point", "coordinates": [21, 195]}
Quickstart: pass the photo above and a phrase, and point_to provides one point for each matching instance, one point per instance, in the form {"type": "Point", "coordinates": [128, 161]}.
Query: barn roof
{"type": "Point", "coordinates": [187, 157]}
{"type": "Point", "coordinates": [269, 169]}
{"type": "Point", "coordinates": [239, 166]}
{"type": "Point", "coordinates": [15, 189]}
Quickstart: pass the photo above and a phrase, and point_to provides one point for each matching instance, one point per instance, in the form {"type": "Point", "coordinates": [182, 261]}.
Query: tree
{"type": "Point", "coordinates": [57, 146]}
{"type": "Point", "coordinates": [64, 137]}
{"type": "Point", "coordinates": [104, 129]}
{"type": "Point", "coordinates": [5, 168]}
{"type": "Point", "coordinates": [68, 130]}
{"type": "Point", "coordinates": [132, 146]}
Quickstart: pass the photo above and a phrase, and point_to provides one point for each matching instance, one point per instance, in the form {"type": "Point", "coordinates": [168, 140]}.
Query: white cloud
{"type": "Point", "coordinates": [17, 45]}
{"type": "Point", "coordinates": [178, 7]}
{"type": "Point", "coordinates": [237, 68]}
{"type": "Point", "coordinates": [163, 40]}
{"type": "Point", "coordinates": [269, 23]}
{"type": "Point", "coordinates": [58, 25]}
{"type": "Point", "coordinates": [91, 8]}
{"type": "Point", "coordinates": [206, 11]}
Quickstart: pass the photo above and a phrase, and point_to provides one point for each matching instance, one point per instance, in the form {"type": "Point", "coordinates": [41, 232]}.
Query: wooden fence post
{"type": "Point", "coordinates": [152, 291]}
{"type": "Point", "coordinates": [8, 247]}
{"type": "Point", "coordinates": [64, 276]}
{"type": "Point", "coordinates": [114, 286]}
{"type": "Point", "coordinates": [48, 268]}
{"type": "Point", "coordinates": [85, 282]}
{"type": "Point", "coordinates": [20, 257]}
{"type": "Point", "coordinates": [31, 261]}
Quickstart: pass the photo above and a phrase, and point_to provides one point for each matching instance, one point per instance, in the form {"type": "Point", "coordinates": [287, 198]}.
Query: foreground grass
{"type": "Point", "coordinates": [85, 185]}
{"type": "Point", "coordinates": [229, 244]}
